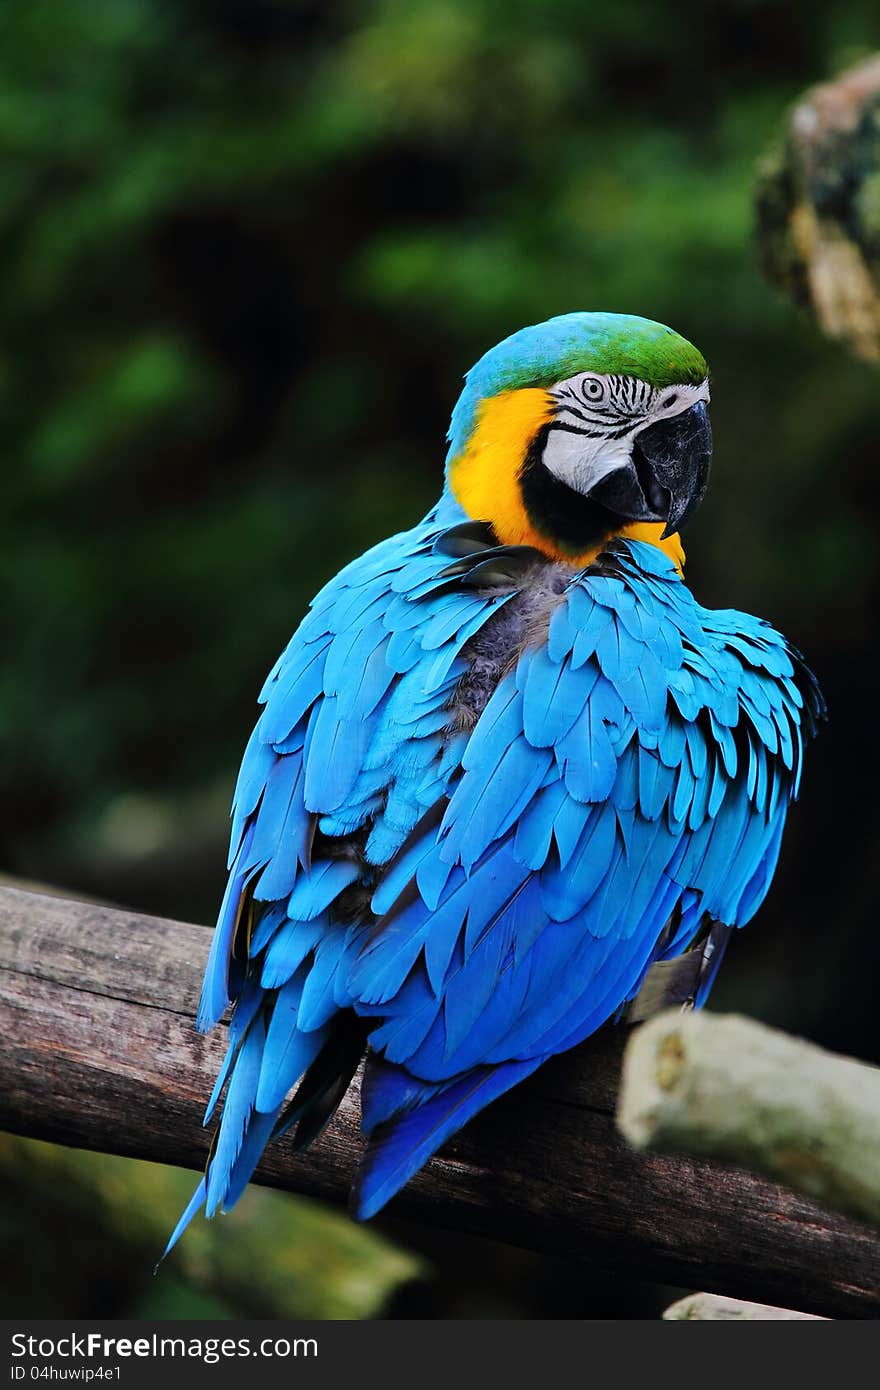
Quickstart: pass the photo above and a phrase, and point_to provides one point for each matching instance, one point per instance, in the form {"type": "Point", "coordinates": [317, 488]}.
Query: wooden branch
{"type": "Point", "coordinates": [708, 1307]}
{"type": "Point", "coordinates": [99, 1051]}
{"type": "Point", "coordinates": [818, 208]}
{"type": "Point", "coordinates": [735, 1090]}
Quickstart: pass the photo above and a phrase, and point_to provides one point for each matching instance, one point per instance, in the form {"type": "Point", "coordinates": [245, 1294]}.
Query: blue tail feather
{"type": "Point", "coordinates": [195, 1204]}
{"type": "Point", "coordinates": [388, 1091]}
{"type": "Point", "coordinates": [401, 1146]}
{"type": "Point", "coordinates": [215, 989]}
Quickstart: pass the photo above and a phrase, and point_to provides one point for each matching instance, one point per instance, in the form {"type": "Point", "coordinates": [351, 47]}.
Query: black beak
{"type": "Point", "coordinates": [677, 454]}
{"type": "Point", "coordinates": [666, 477]}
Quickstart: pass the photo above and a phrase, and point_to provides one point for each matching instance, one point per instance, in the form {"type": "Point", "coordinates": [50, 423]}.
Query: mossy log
{"type": "Point", "coordinates": [818, 208]}
{"type": "Point", "coordinates": [710, 1307]}
{"type": "Point", "coordinates": [99, 1051]}
{"type": "Point", "coordinates": [732, 1089]}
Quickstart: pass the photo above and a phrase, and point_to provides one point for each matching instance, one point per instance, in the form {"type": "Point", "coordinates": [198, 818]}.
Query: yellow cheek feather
{"type": "Point", "coordinates": [651, 531]}
{"type": "Point", "coordinates": [484, 477]}
{"type": "Point", "coordinates": [485, 482]}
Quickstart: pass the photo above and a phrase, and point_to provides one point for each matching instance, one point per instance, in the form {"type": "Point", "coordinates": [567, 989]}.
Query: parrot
{"type": "Point", "coordinates": [506, 770]}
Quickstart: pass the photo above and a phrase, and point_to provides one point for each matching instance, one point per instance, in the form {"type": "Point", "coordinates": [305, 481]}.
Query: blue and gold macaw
{"type": "Point", "coordinates": [506, 764]}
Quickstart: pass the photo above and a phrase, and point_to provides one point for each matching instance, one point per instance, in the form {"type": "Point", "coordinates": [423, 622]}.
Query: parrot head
{"type": "Point", "coordinates": [581, 428]}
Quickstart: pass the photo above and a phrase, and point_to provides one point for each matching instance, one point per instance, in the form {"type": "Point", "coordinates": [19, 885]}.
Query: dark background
{"type": "Point", "coordinates": [247, 250]}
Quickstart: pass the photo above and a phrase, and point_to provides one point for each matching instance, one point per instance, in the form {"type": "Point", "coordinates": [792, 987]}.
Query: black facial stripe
{"type": "Point", "coordinates": [618, 433]}
{"type": "Point", "coordinates": [625, 403]}
{"type": "Point", "coordinates": [573, 429]}
{"type": "Point", "coordinates": [631, 391]}
{"type": "Point", "coordinates": [600, 417]}
{"type": "Point", "coordinates": [602, 421]}
{"type": "Point", "coordinates": [586, 409]}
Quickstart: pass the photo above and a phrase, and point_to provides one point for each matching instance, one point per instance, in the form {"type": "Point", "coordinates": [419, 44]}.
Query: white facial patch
{"type": "Point", "coordinates": [598, 417]}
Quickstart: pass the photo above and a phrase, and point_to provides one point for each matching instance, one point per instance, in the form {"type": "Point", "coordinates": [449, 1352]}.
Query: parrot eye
{"type": "Point", "coordinates": [593, 389]}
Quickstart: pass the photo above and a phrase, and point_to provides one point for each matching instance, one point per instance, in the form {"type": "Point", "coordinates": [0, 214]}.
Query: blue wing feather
{"type": "Point", "coordinates": [676, 779]}
{"type": "Point", "coordinates": [627, 780]}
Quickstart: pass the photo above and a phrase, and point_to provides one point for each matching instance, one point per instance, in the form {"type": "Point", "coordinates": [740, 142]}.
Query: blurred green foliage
{"type": "Point", "coordinates": [275, 1256]}
{"type": "Point", "coordinates": [247, 249]}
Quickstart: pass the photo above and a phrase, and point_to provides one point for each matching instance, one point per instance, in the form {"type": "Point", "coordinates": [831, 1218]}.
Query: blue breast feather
{"type": "Point", "coordinates": [481, 899]}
